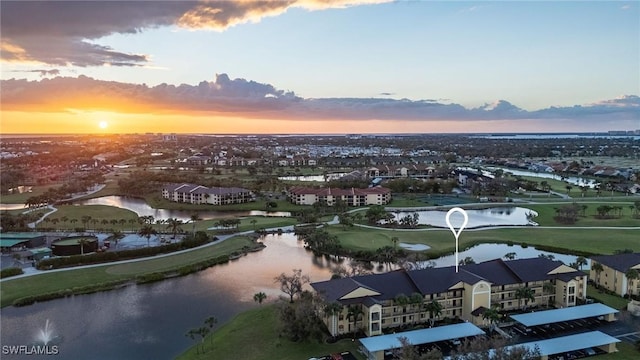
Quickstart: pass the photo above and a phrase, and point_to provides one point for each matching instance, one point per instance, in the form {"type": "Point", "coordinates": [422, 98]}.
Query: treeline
{"type": "Point", "coordinates": [190, 241]}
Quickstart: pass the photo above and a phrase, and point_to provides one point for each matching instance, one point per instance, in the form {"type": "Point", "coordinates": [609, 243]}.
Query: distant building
{"type": "Point", "coordinates": [352, 197]}
{"type": "Point", "coordinates": [614, 274]}
{"type": "Point", "coordinates": [198, 194]}
{"type": "Point", "coordinates": [399, 298]}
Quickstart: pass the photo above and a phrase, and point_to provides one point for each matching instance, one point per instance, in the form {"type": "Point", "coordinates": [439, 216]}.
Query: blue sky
{"type": "Point", "coordinates": [535, 55]}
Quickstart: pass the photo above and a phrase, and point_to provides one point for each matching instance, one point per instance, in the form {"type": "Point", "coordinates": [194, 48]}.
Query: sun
{"type": "Point", "coordinates": [103, 124]}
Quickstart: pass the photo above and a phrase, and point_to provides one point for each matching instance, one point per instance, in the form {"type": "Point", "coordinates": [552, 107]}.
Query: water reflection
{"type": "Point", "coordinates": [149, 321]}
{"type": "Point", "coordinates": [498, 216]}
{"type": "Point", "coordinates": [140, 207]}
{"type": "Point", "coordinates": [590, 183]}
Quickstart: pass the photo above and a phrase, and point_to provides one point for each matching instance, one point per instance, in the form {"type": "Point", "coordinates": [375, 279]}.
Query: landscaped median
{"type": "Point", "coordinates": [54, 284]}
{"type": "Point", "coordinates": [254, 335]}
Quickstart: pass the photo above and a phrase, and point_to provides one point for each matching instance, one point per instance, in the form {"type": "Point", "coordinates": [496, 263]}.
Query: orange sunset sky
{"type": "Point", "coordinates": [318, 66]}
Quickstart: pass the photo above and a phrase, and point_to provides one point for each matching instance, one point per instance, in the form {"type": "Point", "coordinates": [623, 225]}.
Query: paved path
{"type": "Point", "coordinates": [54, 209]}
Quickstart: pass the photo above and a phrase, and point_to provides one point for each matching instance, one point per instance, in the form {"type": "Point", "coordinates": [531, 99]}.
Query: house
{"type": "Point", "coordinates": [198, 194]}
{"type": "Point", "coordinates": [399, 298]}
{"type": "Point", "coordinates": [614, 272]}
{"type": "Point", "coordinates": [352, 197]}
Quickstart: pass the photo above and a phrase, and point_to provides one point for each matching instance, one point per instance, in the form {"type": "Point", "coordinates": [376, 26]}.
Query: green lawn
{"type": "Point", "coordinates": [626, 351]}
{"type": "Point", "coordinates": [546, 212]}
{"type": "Point", "coordinates": [22, 198]}
{"type": "Point", "coordinates": [98, 212]}
{"type": "Point", "coordinates": [613, 301]}
{"type": "Point", "coordinates": [12, 289]}
{"type": "Point", "coordinates": [253, 335]}
{"type": "Point", "coordinates": [595, 241]}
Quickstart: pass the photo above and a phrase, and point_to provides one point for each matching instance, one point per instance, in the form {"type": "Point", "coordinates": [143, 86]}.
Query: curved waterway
{"type": "Point", "coordinates": [150, 321]}
{"type": "Point", "coordinates": [140, 207]}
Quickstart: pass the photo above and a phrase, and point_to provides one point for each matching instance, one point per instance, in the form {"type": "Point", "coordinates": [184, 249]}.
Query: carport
{"type": "Point", "coordinates": [570, 343]}
{"type": "Point", "coordinates": [566, 314]}
{"type": "Point", "coordinates": [374, 347]}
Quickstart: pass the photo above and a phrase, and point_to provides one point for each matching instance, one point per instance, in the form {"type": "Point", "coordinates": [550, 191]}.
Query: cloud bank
{"type": "Point", "coordinates": [63, 33]}
{"type": "Point", "coordinates": [251, 99]}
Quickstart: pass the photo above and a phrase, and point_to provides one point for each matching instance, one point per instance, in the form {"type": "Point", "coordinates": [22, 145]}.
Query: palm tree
{"type": "Point", "coordinates": [174, 225]}
{"type": "Point", "coordinates": [211, 321]}
{"type": "Point", "coordinates": [132, 222]}
{"type": "Point", "coordinates": [82, 241]}
{"type": "Point", "coordinates": [64, 220]}
{"type": "Point", "coordinates": [253, 223]}
{"type": "Point", "coordinates": [116, 235]}
{"type": "Point", "coordinates": [259, 297]}
{"type": "Point", "coordinates": [434, 309]}
{"type": "Point", "coordinates": [331, 310]}
{"type": "Point", "coordinates": [548, 288]}
{"type": "Point", "coordinates": [526, 294]}
{"type": "Point", "coordinates": [395, 240]}
{"type": "Point", "coordinates": [580, 261]}
{"type": "Point", "coordinates": [353, 313]}
{"type": "Point", "coordinates": [147, 231]}
{"type": "Point", "coordinates": [193, 220]}
{"type": "Point", "coordinates": [492, 315]}
{"type": "Point", "coordinates": [631, 274]}
{"type": "Point", "coordinates": [597, 267]}
{"type": "Point", "coordinates": [85, 219]}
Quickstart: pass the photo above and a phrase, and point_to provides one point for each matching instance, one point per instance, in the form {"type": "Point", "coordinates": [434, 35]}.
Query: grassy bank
{"type": "Point", "coordinates": [13, 289]}
{"type": "Point", "coordinates": [441, 241]}
{"type": "Point", "coordinates": [613, 301]}
{"type": "Point", "coordinates": [253, 335]}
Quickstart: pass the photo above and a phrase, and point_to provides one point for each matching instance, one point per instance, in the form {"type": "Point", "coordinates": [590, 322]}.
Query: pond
{"type": "Point", "coordinates": [140, 207]}
{"type": "Point", "coordinates": [150, 321]}
{"type": "Point", "coordinates": [573, 180]}
{"type": "Point", "coordinates": [319, 178]}
{"type": "Point", "coordinates": [495, 216]}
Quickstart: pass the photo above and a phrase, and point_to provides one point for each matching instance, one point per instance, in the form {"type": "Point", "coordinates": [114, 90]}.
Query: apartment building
{"type": "Point", "coordinates": [352, 197]}
{"type": "Point", "coordinates": [198, 194]}
{"type": "Point", "coordinates": [615, 271]}
{"type": "Point", "coordinates": [401, 297]}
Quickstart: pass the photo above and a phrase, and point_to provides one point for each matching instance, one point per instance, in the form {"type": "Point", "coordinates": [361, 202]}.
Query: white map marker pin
{"type": "Point", "coordinates": [453, 229]}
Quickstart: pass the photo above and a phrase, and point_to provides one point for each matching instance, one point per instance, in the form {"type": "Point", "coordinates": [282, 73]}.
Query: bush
{"type": "Point", "coordinates": [12, 271]}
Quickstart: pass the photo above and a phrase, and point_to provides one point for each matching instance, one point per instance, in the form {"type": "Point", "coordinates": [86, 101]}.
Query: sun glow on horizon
{"type": "Point", "coordinates": [103, 124]}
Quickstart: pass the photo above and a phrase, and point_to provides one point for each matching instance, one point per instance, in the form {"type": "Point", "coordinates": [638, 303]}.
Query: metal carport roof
{"type": "Point", "coordinates": [571, 343]}
{"type": "Point", "coordinates": [423, 336]}
{"type": "Point", "coordinates": [565, 314]}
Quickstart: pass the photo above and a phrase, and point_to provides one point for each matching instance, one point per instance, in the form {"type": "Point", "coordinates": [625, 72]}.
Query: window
{"type": "Point", "coordinates": [375, 316]}
{"type": "Point", "coordinates": [375, 326]}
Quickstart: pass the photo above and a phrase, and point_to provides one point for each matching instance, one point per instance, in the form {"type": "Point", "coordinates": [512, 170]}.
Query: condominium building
{"type": "Point", "coordinates": [198, 194]}
{"type": "Point", "coordinates": [352, 197]}
{"type": "Point", "coordinates": [401, 297]}
{"type": "Point", "coordinates": [615, 269]}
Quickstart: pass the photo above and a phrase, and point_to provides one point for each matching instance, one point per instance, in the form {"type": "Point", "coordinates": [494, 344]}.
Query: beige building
{"type": "Point", "coordinates": [402, 297]}
{"type": "Point", "coordinates": [352, 197]}
{"type": "Point", "coordinates": [198, 194]}
{"type": "Point", "coordinates": [614, 272]}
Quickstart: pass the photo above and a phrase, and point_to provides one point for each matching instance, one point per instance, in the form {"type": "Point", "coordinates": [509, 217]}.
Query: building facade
{"type": "Point", "coordinates": [403, 297]}
{"type": "Point", "coordinates": [615, 269]}
{"type": "Point", "coordinates": [198, 194]}
{"type": "Point", "coordinates": [352, 197]}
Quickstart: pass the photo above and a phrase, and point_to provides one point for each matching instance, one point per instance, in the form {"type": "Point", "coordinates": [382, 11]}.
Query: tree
{"type": "Point", "coordinates": [346, 220]}
{"type": "Point", "coordinates": [581, 261]}
{"type": "Point", "coordinates": [510, 256]}
{"type": "Point", "coordinates": [331, 310]}
{"type": "Point", "coordinates": [253, 223]}
{"type": "Point", "coordinates": [434, 309]}
{"type": "Point", "coordinates": [395, 241]}
{"type": "Point", "coordinates": [354, 313]}
{"type": "Point", "coordinates": [467, 261]}
{"type": "Point", "coordinates": [147, 231]}
{"type": "Point", "coordinates": [292, 284]}
{"type": "Point", "coordinates": [597, 268]}
{"type": "Point", "coordinates": [410, 352]}
{"type": "Point", "coordinates": [174, 225]}
{"type": "Point", "coordinates": [492, 315]}
{"type": "Point", "coordinates": [631, 274]}
{"type": "Point", "coordinates": [82, 242]}
{"type": "Point", "coordinates": [193, 219]}
{"type": "Point", "coordinates": [526, 294]}
{"type": "Point", "coordinates": [496, 347]}
{"type": "Point", "coordinates": [259, 297]}
{"type": "Point", "coordinates": [210, 322]}
{"type": "Point", "coordinates": [299, 320]}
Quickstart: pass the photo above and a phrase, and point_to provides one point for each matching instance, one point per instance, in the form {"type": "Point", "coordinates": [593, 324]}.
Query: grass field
{"type": "Point", "coordinates": [12, 289]}
{"type": "Point", "coordinates": [626, 351]}
{"type": "Point", "coordinates": [546, 212]}
{"type": "Point", "coordinates": [595, 241]}
{"type": "Point", "coordinates": [254, 335]}
{"type": "Point", "coordinates": [613, 301]}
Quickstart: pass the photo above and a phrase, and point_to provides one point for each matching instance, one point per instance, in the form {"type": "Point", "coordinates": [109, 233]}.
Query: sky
{"type": "Point", "coordinates": [319, 66]}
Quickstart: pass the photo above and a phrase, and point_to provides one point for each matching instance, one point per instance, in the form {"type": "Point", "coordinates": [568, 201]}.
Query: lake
{"type": "Point", "coordinates": [495, 216]}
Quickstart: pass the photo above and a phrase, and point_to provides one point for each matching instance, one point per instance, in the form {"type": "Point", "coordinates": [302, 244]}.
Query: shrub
{"type": "Point", "coordinates": [12, 271]}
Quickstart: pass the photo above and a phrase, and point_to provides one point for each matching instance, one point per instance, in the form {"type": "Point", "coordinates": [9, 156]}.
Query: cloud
{"type": "Point", "coordinates": [251, 99]}
{"type": "Point", "coordinates": [64, 32]}
{"type": "Point", "coordinates": [42, 72]}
